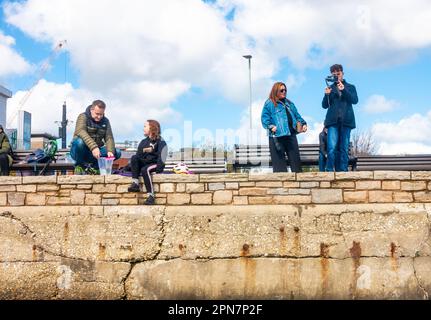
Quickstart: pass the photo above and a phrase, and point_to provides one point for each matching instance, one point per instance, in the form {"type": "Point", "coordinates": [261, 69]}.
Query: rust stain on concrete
{"type": "Point", "coordinates": [66, 231]}
{"type": "Point", "coordinates": [355, 253]}
{"type": "Point", "coordinates": [283, 241]}
{"type": "Point", "coordinates": [297, 242]}
{"type": "Point", "coordinates": [394, 260]}
{"type": "Point", "coordinates": [182, 248]}
{"type": "Point", "coordinates": [34, 253]}
{"type": "Point", "coordinates": [245, 251]}
{"type": "Point", "coordinates": [249, 271]}
{"type": "Point", "coordinates": [324, 270]}
{"type": "Point", "coordinates": [102, 252]}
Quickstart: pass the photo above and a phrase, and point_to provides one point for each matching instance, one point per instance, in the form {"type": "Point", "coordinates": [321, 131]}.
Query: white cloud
{"type": "Point", "coordinates": [294, 81]}
{"type": "Point", "coordinates": [404, 148]}
{"type": "Point", "coordinates": [11, 62]}
{"type": "Point", "coordinates": [257, 135]}
{"type": "Point", "coordinates": [312, 134]}
{"type": "Point", "coordinates": [408, 136]}
{"type": "Point", "coordinates": [142, 55]}
{"type": "Point", "coordinates": [312, 33]}
{"type": "Point", "coordinates": [380, 104]}
{"type": "Point", "coordinates": [46, 100]}
{"type": "Point", "coordinates": [45, 105]}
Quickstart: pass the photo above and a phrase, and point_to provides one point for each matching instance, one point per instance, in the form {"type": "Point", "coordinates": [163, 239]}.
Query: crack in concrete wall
{"type": "Point", "coordinates": [9, 215]}
{"type": "Point", "coordinates": [162, 222]}
{"type": "Point", "coordinates": [421, 287]}
{"type": "Point", "coordinates": [36, 245]}
{"type": "Point", "coordinates": [428, 238]}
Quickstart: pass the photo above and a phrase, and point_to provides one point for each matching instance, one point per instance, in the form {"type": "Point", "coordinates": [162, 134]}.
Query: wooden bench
{"type": "Point", "coordinates": [418, 162]}
{"type": "Point", "coordinates": [246, 156]}
{"type": "Point", "coordinates": [58, 165]}
{"type": "Point", "coordinates": [195, 164]}
{"type": "Point", "coordinates": [214, 165]}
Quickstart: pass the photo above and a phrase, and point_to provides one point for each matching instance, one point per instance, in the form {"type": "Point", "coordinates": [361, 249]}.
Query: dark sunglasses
{"type": "Point", "coordinates": [282, 90]}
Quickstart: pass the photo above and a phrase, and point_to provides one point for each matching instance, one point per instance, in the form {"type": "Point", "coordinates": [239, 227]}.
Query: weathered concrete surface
{"type": "Point", "coordinates": [65, 279]}
{"type": "Point", "coordinates": [273, 278]}
{"type": "Point", "coordinates": [319, 251]}
{"type": "Point", "coordinates": [89, 233]}
{"type": "Point", "coordinates": [295, 231]}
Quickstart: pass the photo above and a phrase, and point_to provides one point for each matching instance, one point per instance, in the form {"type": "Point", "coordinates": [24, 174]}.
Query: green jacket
{"type": "Point", "coordinates": [5, 146]}
{"type": "Point", "coordinates": [94, 134]}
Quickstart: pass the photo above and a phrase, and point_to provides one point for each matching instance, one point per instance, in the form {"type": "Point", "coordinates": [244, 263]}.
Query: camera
{"type": "Point", "coordinates": [331, 78]}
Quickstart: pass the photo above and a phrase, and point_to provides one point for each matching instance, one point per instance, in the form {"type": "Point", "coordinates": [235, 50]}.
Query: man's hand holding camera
{"type": "Point", "coordinates": [340, 87]}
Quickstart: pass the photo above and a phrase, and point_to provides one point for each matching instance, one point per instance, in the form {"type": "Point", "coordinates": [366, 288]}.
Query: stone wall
{"type": "Point", "coordinates": [355, 235]}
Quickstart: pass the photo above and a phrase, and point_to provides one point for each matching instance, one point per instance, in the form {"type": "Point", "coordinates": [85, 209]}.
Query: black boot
{"type": "Point", "coordinates": [150, 200]}
{"type": "Point", "coordinates": [134, 187]}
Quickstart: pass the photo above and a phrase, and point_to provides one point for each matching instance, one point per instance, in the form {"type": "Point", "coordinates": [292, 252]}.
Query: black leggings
{"type": "Point", "coordinates": [141, 167]}
{"type": "Point", "coordinates": [289, 145]}
{"type": "Point", "coordinates": [4, 164]}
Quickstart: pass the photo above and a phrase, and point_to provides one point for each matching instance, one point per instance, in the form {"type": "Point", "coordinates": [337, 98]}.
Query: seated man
{"type": "Point", "coordinates": [5, 151]}
{"type": "Point", "coordinates": [92, 139]}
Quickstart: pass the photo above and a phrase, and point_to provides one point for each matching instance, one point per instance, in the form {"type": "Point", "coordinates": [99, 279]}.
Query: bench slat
{"type": "Point", "coordinates": [256, 155]}
{"type": "Point", "coordinates": [197, 164]}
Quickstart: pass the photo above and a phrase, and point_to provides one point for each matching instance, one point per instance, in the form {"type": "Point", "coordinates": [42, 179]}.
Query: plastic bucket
{"type": "Point", "coordinates": [105, 165]}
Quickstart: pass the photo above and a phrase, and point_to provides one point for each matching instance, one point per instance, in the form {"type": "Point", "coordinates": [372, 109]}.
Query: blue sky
{"type": "Point", "coordinates": [179, 62]}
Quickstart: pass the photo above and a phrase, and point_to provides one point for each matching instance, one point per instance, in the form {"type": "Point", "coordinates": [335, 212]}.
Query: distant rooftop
{"type": "Point", "coordinates": [44, 135]}
{"type": "Point", "coordinates": [5, 92]}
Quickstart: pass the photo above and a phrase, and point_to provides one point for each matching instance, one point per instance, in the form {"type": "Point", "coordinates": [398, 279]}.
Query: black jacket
{"type": "Point", "coordinates": [157, 154]}
{"type": "Point", "coordinates": [339, 105]}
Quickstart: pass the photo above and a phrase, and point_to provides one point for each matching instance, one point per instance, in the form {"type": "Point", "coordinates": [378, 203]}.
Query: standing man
{"type": "Point", "coordinates": [92, 139]}
{"type": "Point", "coordinates": [340, 119]}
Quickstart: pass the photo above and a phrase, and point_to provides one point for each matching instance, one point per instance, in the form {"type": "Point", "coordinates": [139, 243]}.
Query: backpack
{"type": "Point", "coordinates": [38, 156]}
{"type": "Point", "coordinates": [45, 155]}
{"type": "Point", "coordinates": [51, 149]}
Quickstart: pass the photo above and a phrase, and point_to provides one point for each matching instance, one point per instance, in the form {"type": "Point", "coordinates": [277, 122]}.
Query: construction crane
{"type": "Point", "coordinates": [41, 72]}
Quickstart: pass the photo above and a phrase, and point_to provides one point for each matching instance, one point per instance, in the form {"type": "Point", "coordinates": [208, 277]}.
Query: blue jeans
{"type": "Point", "coordinates": [322, 162]}
{"type": "Point", "coordinates": [82, 154]}
{"type": "Point", "coordinates": [338, 148]}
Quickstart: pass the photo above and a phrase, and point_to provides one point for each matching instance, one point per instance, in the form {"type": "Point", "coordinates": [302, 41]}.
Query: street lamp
{"type": "Point", "coordinates": [248, 57]}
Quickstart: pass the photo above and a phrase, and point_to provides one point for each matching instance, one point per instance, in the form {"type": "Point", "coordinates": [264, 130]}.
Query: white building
{"type": "Point", "coordinates": [24, 130]}
{"type": "Point", "coordinates": [4, 95]}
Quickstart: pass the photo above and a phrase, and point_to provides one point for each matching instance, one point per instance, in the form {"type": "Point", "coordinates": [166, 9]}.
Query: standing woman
{"type": "Point", "coordinates": [150, 157]}
{"type": "Point", "coordinates": [283, 122]}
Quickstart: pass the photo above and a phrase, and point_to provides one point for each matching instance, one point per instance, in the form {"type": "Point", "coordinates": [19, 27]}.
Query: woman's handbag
{"type": "Point", "coordinates": [299, 127]}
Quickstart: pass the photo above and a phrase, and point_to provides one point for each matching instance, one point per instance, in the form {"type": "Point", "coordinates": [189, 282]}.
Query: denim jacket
{"type": "Point", "coordinates": [276, 116]}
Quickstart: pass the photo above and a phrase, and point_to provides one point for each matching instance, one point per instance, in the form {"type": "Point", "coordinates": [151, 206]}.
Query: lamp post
{"type": "Point", "coordinates": [248, 57]}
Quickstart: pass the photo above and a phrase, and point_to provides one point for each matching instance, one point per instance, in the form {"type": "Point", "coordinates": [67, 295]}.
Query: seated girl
{"type": "Point", "coordinates": [150, 157]}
